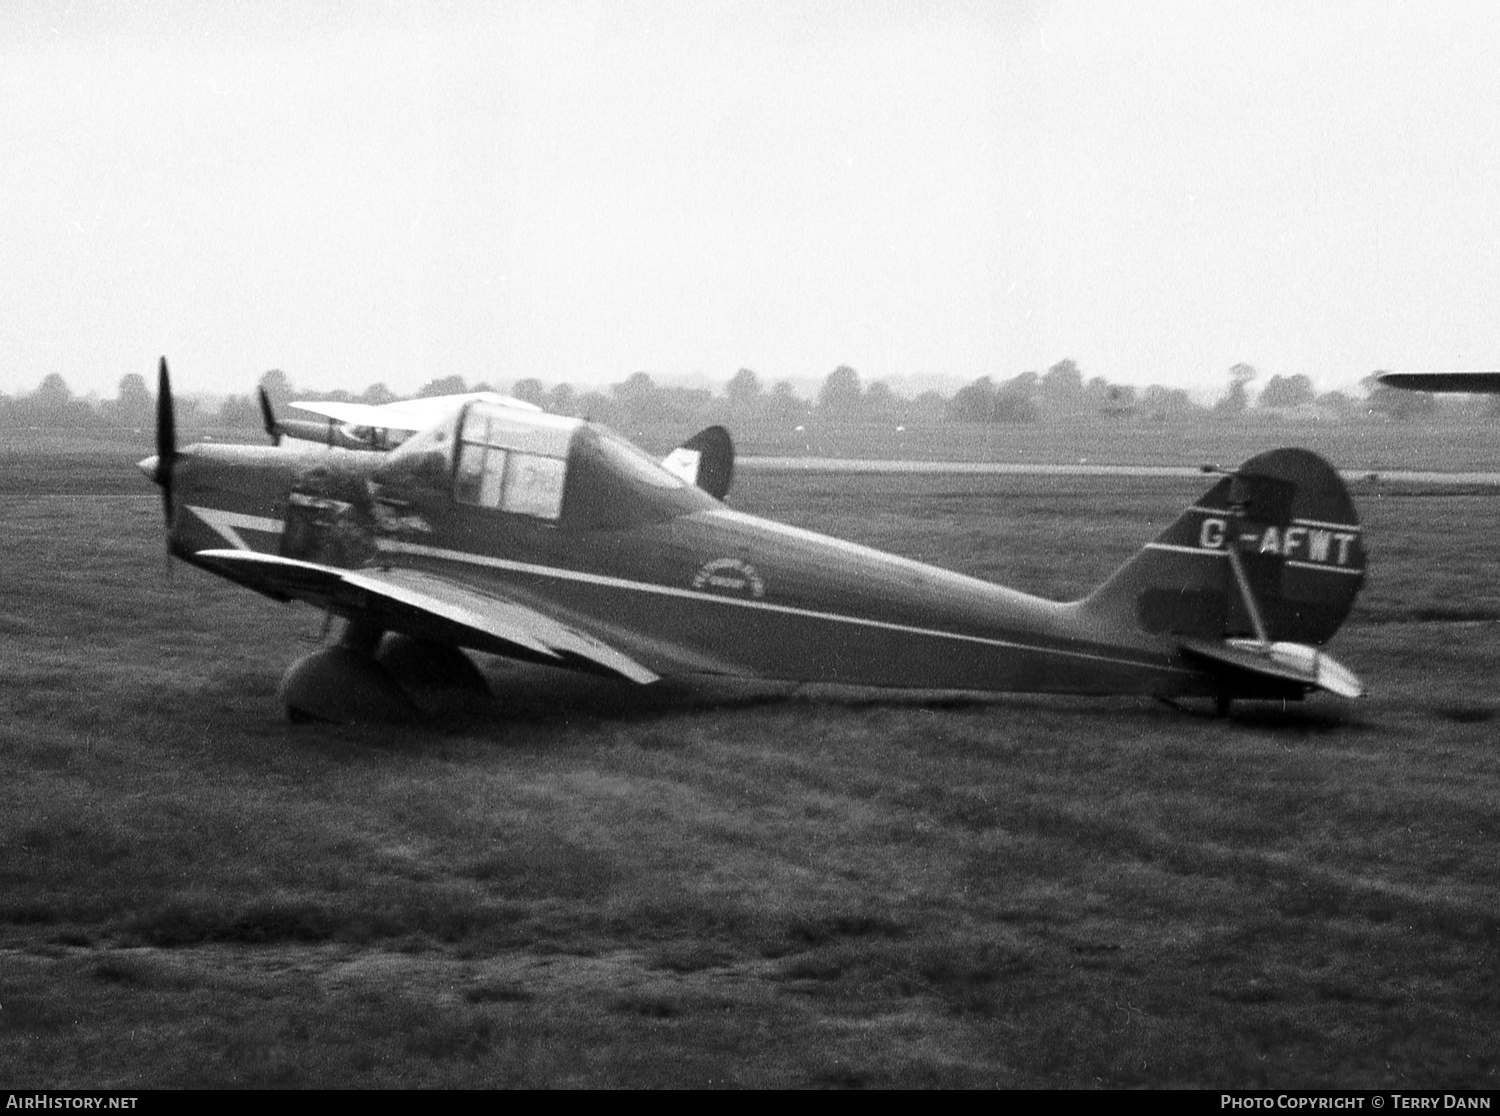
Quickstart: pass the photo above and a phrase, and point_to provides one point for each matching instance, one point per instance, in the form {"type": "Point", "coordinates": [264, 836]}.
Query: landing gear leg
{"type": "Point", "coordinates": [421, 664]}
{"type": "Point", "coordinates": [1221, 705]}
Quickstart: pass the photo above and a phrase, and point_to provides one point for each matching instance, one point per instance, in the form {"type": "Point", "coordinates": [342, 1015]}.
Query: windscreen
{"type": "Point", "coordinates": [612, 485]}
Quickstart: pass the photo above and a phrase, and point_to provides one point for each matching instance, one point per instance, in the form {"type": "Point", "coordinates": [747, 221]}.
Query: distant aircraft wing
{"type": "Point", "coordinates": [1473, 383]}
{"type": "Point", "coordinates": [407, 414]}
{"type": "Point", "coordinates": [357, 414]}
{"type": "Point", "coordinates": [430, 606]}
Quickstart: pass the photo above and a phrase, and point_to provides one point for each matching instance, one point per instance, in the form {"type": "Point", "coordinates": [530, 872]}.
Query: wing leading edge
{"type": "Point", "coordinates": [429, 607]}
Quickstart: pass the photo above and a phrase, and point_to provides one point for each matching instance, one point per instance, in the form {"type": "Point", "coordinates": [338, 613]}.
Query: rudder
{"type": "Point", "coordinates": [1294, 529]}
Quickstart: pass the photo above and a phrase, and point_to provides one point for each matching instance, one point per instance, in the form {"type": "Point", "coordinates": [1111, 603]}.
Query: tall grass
{"type": "Point", "coordinates": [703, 883]}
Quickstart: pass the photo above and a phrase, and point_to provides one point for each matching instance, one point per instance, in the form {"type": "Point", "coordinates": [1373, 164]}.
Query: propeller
{"type": "Point", "coordinates": [268, 417]}
{"type": "Point", "coordinates": [166, 439]}
{"type": "Point", "coordinates": [159, 466]}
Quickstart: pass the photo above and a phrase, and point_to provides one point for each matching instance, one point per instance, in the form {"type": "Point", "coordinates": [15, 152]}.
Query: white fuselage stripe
{"type": "Point", "coordinates": [1354, 527]}
{"type": "Point", "coordinates": [1177, 548]}
{"type": "Point", "coordinates": [1324, 568]}
{"type": "Point", "coordinates": [1206, 552]}
{"type": "Point", "coordinates": [713, 598]}
{"type": "Point", "coordinates": [228, 523]}
{"type": "Point", "coordinates": [1226, 513]}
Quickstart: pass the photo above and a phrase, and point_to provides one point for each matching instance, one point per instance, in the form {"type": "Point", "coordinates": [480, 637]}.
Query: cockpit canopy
{"type": "Point", "coordinates": [546, 468]}
{"type": "Point", "coordinates": [512, 462]}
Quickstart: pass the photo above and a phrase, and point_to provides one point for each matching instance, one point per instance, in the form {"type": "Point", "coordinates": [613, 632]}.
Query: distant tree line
{"type": "Point", "coordinates": [1062, 393]}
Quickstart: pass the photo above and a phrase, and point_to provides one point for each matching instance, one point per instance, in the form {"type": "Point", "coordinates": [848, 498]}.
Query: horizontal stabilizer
{"type": "Point", "coordinates": [1289, 662]}
{"type": "Point", "coordinates": [428, 606]}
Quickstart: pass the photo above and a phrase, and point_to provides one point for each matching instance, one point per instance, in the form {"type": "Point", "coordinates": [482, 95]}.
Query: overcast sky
{"type": "Point", "coordinates": [577, 191]}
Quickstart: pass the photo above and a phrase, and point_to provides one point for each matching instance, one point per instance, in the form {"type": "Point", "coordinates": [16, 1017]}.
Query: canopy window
{"type": "Point", "coordinates": [512, 461]}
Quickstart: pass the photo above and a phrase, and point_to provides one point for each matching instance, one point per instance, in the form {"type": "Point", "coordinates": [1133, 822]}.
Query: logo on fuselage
{"type": "Point", "coordinates": [730, 575]}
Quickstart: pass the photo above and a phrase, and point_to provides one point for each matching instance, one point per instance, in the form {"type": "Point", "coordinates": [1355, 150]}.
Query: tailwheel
{"type": "Point", "coordinates": [1220, 710]}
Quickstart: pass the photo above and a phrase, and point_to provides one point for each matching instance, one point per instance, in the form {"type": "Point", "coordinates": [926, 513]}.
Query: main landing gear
{"type": "Point", "coordinates": [364, 678]}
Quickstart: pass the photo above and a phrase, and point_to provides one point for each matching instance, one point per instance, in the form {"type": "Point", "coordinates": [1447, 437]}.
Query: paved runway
{"type": "Point", "coordinates": [998, 468]}
{"type": "Point", "coordinates": [986, 468]}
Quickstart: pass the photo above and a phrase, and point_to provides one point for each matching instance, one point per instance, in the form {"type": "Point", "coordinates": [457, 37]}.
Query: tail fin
{"type": "Point", "coordinates": [706, 459]}
{"type": "Point", "coordinates": [1291, 523]}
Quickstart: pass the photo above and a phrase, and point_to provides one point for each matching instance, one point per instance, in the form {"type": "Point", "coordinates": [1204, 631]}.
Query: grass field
{"type": "Point", "coordinates": [91, 461]}
{"type": "Point", "coordinates": [698, 884]}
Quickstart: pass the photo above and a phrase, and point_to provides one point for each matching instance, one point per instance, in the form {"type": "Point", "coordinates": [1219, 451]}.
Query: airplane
{"type": "Point", "coordinates": [1469, 383]}
{"type": "Point", "coordinates": [370, 426]}
{"type": "Point", "coordinates": [553, 540]}
{"type": "Point", "coordinates": [706, 460]}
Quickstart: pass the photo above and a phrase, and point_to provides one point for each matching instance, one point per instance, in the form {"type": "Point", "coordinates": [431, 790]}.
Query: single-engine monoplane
{"type": "Point", "coordinates": [706, 460]}
{"type": "Point", "coordinates": [553, 540]}
{"type": "Point", "coordinates": [371, 426]}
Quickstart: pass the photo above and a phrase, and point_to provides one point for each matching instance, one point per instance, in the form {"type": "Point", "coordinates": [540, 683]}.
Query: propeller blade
{"type": "Point", "coordinates": [166, 437]}
{"type": "Point", "coordinates": [268, 417]}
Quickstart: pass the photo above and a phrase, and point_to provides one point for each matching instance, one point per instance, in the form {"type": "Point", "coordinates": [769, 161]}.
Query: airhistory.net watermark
{"type": "Point", "coordinates": [48, 1101]}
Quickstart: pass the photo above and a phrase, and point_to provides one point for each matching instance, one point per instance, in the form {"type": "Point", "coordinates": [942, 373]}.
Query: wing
{"type": "Point", "coordinates": [406, 414]}
{"type": "Point", "coordinates": [429, 607]}
{"type": "Point", "coordinates": [1475, 383]}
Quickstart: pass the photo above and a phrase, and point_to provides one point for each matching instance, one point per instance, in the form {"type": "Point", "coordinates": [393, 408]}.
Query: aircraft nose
{"type": "Point", "coordinates": [147, 465]}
